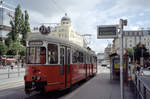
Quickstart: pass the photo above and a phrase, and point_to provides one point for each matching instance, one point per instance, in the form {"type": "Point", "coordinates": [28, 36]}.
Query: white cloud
{"type": "Point", "coordinates": [141, 14]}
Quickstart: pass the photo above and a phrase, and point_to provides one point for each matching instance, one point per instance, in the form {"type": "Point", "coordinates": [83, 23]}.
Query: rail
{"type": "Point", "coordinates": [142, 90]}
{"type": "Point", "coordinates": [11, 71]}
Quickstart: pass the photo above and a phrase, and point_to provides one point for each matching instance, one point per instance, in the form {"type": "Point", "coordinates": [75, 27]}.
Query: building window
{"type": "Point", "coordinates": [131, 41]}
{"type": "Point", "coordinates": [130, 45]}
{"type": "Point", "coordinates": [137, 33]}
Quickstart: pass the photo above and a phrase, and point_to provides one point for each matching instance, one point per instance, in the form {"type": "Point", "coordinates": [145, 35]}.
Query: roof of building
{"type": "Point", "coordinates": [65, 18]}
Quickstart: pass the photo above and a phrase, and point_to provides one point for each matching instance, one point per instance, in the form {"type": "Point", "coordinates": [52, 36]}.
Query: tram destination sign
{"type": "Point", "coordinates": [107, 31]}
{"type": "Point", "coordinates": [35, 43]}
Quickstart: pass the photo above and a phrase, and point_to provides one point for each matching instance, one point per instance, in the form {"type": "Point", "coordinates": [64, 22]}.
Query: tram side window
{"type": "Point", "coordinates": [84, 58]}
{"type": "Point", "coordinates": [74, 56]}
{"type": "Point", "coordinates": [62, 56]}
{"type": "Point", "coordinates": [80, 57]}
{"type": "Point", "coordinates": [52, 54]}
{"type": "Point", "coordinates": [91, 59]}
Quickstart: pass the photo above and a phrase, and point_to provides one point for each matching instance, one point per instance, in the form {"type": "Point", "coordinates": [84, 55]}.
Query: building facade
{"type": "Point", "coordinates": [6, 14]}
{"type": "Point", "coordinates": [100, 57]}
{"type": "Point", "coordinates": [107, 52]}
{"type": "Point", "coordinates": [132, 38]}
{"type": "Point", "coordinates": [65, 31]}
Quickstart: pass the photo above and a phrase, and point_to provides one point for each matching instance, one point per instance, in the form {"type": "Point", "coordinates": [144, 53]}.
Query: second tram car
{"type": "Point", "coordinates": [54, 63]}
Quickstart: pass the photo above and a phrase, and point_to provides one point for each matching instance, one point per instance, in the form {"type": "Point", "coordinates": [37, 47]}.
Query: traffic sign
{"type": "Point", "coordinates": [107, 31]}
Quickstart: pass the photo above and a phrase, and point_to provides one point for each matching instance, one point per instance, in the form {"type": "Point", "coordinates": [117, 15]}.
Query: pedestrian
{"type": "Point", "coordinates": [138, 67]}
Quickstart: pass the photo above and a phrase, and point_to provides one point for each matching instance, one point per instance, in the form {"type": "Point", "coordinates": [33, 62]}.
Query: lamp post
{"type": "Point", "coordinates": [122, 23]}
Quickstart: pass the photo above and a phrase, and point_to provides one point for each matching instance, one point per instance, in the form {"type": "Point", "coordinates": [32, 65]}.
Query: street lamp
{"type": "Point", "coordinates": [122, 23]}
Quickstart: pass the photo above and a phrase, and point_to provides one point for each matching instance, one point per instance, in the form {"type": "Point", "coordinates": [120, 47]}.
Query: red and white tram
{"type": "Point", "coordinates": [54, 63]}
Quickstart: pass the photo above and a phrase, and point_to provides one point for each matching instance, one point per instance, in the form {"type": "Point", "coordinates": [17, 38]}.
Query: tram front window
{"type": "Point", "coordinates": [36, 55]}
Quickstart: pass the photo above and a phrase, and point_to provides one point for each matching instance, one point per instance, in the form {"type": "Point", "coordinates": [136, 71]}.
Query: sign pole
{"type": "Point", "coordinates": [121, 59]}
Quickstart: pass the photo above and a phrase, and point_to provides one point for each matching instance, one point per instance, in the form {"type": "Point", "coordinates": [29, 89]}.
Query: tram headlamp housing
{"type": "Point", "coordinates": [38, 78]}
{"type": "Point", "coordinates": [33, 77]}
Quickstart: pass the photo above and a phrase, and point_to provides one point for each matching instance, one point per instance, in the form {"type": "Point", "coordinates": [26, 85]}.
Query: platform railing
{"type": "Point", "coordinates": [11, 71]}
{"type": "Point", "coordinates": [142, 91]}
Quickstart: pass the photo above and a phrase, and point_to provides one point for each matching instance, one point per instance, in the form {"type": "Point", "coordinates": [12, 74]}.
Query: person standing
{"type": "Point", "coordinates": [138, 67]}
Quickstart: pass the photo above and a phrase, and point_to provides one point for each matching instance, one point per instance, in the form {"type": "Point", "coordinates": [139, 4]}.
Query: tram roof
{"type": "Point", "coordinates": [34, 36]}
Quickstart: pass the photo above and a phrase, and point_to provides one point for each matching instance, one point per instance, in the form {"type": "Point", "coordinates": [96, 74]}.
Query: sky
{"type": "Point", "coordinates": [86, 15]}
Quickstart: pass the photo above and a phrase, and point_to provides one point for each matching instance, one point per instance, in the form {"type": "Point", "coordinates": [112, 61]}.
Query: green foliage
{"type": "Point", "coordinates": [130, 52]}
{"type": "Point", "coordinates": [3, 48]}
{"type": "Point", "coordinates": [20, 26]}
{"type": "Point", "coordinates": [16, 25]}
{"type": "Point", "coordinates": [140, 51]}
{"type": "Point", "coordinates": [8, 41]}
{"type": "Point", "coordinates": [26, 28]}
{"type": "Point", "coordinates": [15, 48]}
{"type": "Point", "coordinates": [22, 52]}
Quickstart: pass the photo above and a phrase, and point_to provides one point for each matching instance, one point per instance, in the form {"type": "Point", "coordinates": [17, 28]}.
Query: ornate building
{"type": "Point", "coordinates": [66, 31]}
{"type": "Point", "coordinates": [132, 38]}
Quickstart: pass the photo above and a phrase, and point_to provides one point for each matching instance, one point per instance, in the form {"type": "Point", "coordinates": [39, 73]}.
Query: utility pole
{"type": "Point", "coordinates": [121, 24]}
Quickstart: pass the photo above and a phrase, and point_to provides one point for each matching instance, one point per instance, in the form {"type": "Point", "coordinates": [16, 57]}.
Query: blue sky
{"type": "Point", "coordinates": [87, 14]}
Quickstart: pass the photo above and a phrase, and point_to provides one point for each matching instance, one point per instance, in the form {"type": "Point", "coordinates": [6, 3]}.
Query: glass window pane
{"type": "Point", "coordinates": [36, 55]}
{"type": "Point", "coordinates": [52, 54]}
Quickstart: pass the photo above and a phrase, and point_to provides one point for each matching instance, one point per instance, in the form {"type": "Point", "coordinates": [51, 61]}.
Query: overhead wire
{"type": "Point", "coordinates": [58, 6]}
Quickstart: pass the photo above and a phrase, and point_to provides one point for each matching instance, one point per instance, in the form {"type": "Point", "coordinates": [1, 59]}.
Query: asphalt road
{"type": "Point", "coordinates": [18, 93]}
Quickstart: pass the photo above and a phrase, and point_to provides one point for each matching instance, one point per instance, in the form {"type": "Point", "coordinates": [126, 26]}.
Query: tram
{"type": "Point", "coordinates": [53, 63]}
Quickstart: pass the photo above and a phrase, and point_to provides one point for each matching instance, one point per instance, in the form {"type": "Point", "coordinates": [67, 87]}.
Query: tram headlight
{"type": "Point", "coordinates": [33, 77]}
{"type": "Point", "coordinates": [38, 78]}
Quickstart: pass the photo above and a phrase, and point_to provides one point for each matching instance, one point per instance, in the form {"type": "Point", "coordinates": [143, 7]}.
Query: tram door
{"type": "Point", "coordinates": [68, 79]}
{"type": "Point", "coordinates": [65, 64]}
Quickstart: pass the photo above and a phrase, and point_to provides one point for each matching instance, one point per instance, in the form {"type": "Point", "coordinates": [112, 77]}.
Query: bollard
{"type": "Point", "coordinates": [144, 92]}
{"type": "Point", "coordinates": [11, 66]}
{"type": "Point", "coordinates": [18, 71]}
{"type": "Point", "coordinates": [8, 71]}
{"type": "Point", "coordinates": [139, 86]}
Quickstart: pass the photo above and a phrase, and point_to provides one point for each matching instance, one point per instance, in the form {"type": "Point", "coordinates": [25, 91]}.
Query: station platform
{"type": "Point", "coordinates": [101, 87]}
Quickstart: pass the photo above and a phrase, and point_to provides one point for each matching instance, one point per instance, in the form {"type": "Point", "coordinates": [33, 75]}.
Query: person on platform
{"type": "Point", "coordinates": [138, 67]}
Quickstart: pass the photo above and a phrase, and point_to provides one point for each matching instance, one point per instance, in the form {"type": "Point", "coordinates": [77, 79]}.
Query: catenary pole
{"type": "Point", "coordinates": [121, 59]}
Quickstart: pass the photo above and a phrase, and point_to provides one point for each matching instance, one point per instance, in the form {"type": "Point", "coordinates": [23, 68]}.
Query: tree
{"type": "Point", "coordinates": [16, 25]}
{"type": "Point", "coordinates": [3, 48]}
{"type": "Point", "coordinates": [26, 28]}
{"type": "Point", "coordinates": [14, 48]}
{"type": "Point", "coordinates": [140, 51]}
{"type": "Point", "coordinates": [22, 52]}
{"type": "Point", "coordinates": [8, 41]}
{"type": "Point", "coordinates": [20, 26]}
{"type": "Point", "coordinates": [130, 52]}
